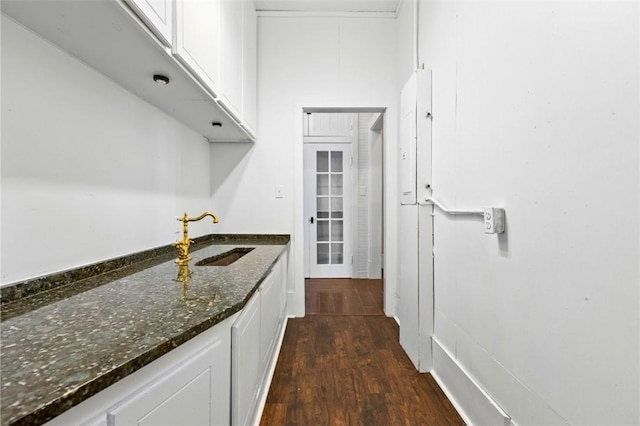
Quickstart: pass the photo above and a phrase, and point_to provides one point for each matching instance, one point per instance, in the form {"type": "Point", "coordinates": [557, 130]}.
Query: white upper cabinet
{"type": "Point", "coordinates": [199, 45]}
{"type": "Point", "coordinates": [249, 68]}
{"type": "Point", "coordinates": [231, 41]}
{"type": "Point", "coordinates": [158, 15]}
{"type": "Point", "coordinates": [196, 39]}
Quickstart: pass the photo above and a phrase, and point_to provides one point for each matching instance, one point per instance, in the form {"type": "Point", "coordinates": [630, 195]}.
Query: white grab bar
{"type": "Point", "coordinates": [449, 211]}
{"type": "Point", "coordinates": [493, 216]}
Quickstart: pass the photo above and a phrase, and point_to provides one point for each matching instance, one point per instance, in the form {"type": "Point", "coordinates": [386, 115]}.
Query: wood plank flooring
{"type": "Point", "coordinates": [351, 370]}
{"type": "Point", "coordinates": [324, 296]}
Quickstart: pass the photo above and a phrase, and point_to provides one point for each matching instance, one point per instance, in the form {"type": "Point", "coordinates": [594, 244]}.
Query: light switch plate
{"type": "Point", "coordinates": [279, 191]}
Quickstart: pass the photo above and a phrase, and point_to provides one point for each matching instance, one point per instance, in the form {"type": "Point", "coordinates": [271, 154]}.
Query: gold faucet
{"type": "Point", "coordinates": [183, 246]}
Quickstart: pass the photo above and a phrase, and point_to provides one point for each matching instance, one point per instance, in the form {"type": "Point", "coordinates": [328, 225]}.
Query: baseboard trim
{"type": "Point", "coordinates": [473, 404]}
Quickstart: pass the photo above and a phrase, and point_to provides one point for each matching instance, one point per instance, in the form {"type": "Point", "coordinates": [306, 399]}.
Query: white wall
{"type": "Point", "coordinates": [89, 171]}
{"type": "Point", "coordinates": [536, 109]}
{"type": "Point", "coordinates": [304, 62]}
{"type": "Point", "coordinates": [406, 42]}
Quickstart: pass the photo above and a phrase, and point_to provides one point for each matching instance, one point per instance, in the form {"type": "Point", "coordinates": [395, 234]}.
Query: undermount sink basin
{"type": "Point", "coordinates": [226, 258]}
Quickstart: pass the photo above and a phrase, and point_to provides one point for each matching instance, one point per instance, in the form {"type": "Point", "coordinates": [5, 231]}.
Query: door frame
{"type": "Point", "coordinates": [296, 294]}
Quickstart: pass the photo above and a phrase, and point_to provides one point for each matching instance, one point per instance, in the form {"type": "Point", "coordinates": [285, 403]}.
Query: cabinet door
{"type": "Point", "coordinates": [196, 40]}
{"type": "Point", "coordinates": [187, 395]}
{"type": "Point", "coordinates": [158, 15]}
{"type": "Point", "coordinates": [245, 362]}
{"type": "Point", "coordinates": [269, 314]}
{"type": "Point", "coordinates": [231, 31]}
{"type": "Point", "coordinates": [249, 69]}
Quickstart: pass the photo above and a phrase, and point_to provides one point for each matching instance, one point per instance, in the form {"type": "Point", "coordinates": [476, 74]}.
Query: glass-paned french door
{"type": "Point", "coordinates": [328, 188]}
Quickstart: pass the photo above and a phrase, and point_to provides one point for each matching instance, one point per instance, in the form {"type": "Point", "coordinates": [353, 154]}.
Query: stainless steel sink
{"type": "Point", "coordinates": [226, 258]}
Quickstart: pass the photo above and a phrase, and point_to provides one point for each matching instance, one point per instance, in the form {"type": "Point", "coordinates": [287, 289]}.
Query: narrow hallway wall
{"type": "Point", "coordinates": [536, 109]}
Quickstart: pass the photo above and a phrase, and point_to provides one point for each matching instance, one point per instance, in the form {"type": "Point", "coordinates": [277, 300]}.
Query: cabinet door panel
{"type": "Point", "coordinates": [184, 396]}
{"type": "Point", "coordinates": [189, 405]}
{"type": "Point", "coordinates": [197, 39]}
{"type": "Point", "coordinates": [231, 32]}
{"type": "Point", "coordinates": [245, 362]}
{"type": "Point", "coordinates": [269, 314]}
{"type": "Point", "coordinates": [158, 15]}
{"type": "Point", "coordinates": [249, 69]}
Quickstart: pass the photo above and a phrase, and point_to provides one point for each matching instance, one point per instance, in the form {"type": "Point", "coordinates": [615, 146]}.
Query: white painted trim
{"type": "Point", "coordinates": [375, 122]}
{"type": "Point", "coordinates": [297, 308]}
{"type": "Point", "coordinates": [297, 244]}
{"type": "Point", "coordinates": [264, 392]}
{"type": "Point", "coordinates": [324, 14]}
{"type": "Point", "coordinates": [473, 404]}
{"type": "Point", "coordinates": [397, 12]}
{"type": "Point", "coordinates": [353, 110]}
{"type": "Point", "coordinates": [451, 398]}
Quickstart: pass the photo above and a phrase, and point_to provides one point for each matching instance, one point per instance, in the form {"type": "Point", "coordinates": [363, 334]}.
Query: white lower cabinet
{"type": "Point", "coordinates": [255, 338]}
{"type": "Point", "coordinates": [191, 385]}
{"type": "Point", "coordinates": [269, 315]}
{"type": "Point", "coordinates": [245, 336]}
{"type": "Point", "coordinates": [191, 394]}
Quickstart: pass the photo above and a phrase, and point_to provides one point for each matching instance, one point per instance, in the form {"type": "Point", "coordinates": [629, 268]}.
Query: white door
{"type": "Point", "coordinates": [328, 187]}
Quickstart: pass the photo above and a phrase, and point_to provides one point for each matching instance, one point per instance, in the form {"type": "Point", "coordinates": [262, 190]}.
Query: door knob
{"type": "Point", "coordinates": [311, 220]}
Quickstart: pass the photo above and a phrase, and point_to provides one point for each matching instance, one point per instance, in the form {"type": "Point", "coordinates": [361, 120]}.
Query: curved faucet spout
{"type": "Point", "coordinates": [183, 246]}
{"type": "Point", "coordinates": [202, 216]}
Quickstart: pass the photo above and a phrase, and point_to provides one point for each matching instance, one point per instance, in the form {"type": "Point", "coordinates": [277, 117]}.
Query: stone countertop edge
{"type": "Point", "coordinates": [50, 406]}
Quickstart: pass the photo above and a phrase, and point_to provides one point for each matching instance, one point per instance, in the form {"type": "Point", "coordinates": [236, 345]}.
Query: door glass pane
{"type": "Point", "coordinates": [323, 185]}
{"type": "Point", "coordinates": [336, 184]}
{"type": "Point", "coordinates": [337, 257]}
{"type": "Point", "coordinates": [336, 161]}
{"type": "Point", "coordinates": [336, 207]}
{"type": "Point", "coordinates": [323, 253]}
{"type": "Point", "coordinates": [322, 204]}
{"type": "Point", "coordinates": [336, 230]}
{"type": "Point", "coordinates": [323, 230]}
{"type": "Point", "coordinates": [322, 157]}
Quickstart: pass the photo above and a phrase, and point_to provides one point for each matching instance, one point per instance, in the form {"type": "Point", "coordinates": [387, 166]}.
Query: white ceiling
{"type": "Point", "coordinates": [387, 6]}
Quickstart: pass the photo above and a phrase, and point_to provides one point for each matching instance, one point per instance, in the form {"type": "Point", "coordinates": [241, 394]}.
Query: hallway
{"type": "Point", "coordinates": [336, 367]}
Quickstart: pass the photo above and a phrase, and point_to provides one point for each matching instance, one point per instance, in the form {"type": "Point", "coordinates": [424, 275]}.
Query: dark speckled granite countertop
{"type": "Point", "coordinates": [66, 349]}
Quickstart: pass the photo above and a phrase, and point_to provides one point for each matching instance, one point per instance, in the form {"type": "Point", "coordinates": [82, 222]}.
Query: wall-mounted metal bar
{"type": "Point", "coordinates": [494, 217]}
{"type": "Point", "coordinates": [450, 211]}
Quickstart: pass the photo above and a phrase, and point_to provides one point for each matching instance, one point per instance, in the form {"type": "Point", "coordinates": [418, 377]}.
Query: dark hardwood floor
{"type": "Point", "coordinates": [337, 368]}
{"type": "Point", "coordinates": [331, 296]}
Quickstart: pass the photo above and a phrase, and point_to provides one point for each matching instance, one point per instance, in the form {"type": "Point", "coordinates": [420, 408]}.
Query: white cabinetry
{"type": "Point", "coordinates": [249, 69]}
{"type": "Point", "coordinates": [193, 393]}
{"type": "Point", "coordinates": [415, 286]}
{"type": "Point", "coordinates": [246, 362]}
{"type": "Point", "coordinates": [196, 39]}
{"type": "Point", "coordinates": [256, 336]}
{"type": "Point", "coordinates": [131, 40]}
{"type": "Point", "coordinates": [191, 385]}
{"type": "Point", "coordinates": [231, 41]}
{"type": "Point", "coordinates": [269, 315]}
{"type": "Point", "coordinates": [157, 15]}
{"type": "Point", "coordinates": [415, 138]}
{"type": "Point", "coordinates": [219, 377]}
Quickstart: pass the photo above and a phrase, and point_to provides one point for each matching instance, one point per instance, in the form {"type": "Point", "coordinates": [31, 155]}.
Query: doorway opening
{"type": "Point", "coordinates": [343, 201]}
